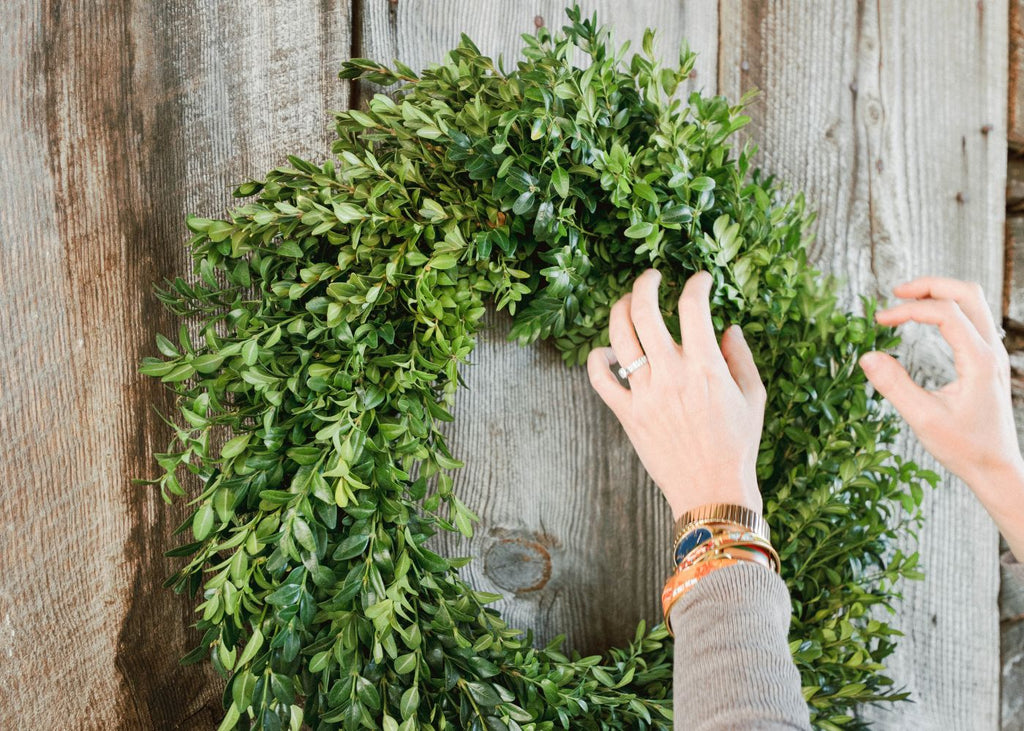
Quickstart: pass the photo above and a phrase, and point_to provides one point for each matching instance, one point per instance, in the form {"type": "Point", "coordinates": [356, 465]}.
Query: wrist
{"type": "Point", "coordinates": [1000, 487]}
{"type": "Point", "coordinates": [742, 492]}
{"type": "Point", "coordinates": [1001, 492]}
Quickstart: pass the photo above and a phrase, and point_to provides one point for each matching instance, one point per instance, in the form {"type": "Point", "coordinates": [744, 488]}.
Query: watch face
{"type": "Point", "coordinates": [691, 541]}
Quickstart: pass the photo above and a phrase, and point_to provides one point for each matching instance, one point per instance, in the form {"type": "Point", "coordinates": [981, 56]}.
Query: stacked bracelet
{"type": "Point", "coordinates": [724, 536]}
{"type": "Point", "coordinates": [709, 538]}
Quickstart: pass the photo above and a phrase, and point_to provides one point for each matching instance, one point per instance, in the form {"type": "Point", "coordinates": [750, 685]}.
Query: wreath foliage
{"type": "Point", "coordinates": [333, 308]}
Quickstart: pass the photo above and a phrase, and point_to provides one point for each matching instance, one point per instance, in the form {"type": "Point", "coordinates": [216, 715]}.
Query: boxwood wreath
{"type": "Point", "coordinates": [333, 308]}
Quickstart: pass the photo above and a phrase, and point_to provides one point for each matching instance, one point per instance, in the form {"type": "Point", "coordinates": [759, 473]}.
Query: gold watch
{"type": "Point", "coordinates": [723, 512]}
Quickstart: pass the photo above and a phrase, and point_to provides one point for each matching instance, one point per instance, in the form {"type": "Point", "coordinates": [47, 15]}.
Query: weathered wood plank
{"type": "Point", "coordinates": [1015, 184]}
{"type": "Point", "coordinates": [1015, 95]}
{"type": "Point", "coordinates": [1014, 299]}
{"type": "Point", "coordinates": [573, 531]}
{"type": "Point", "coordinates": [419, 34]}
{"type": "Point", "coordinates": [1013, 676]}
{"type": "Point", "coordinates": [849, 116]}
{"type": "Point", "coordinates": [117, 121]}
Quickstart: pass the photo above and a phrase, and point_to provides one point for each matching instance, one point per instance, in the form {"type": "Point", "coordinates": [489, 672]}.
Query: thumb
{"type": "Point", "coordinates": [892, 381]}
{"type": "Point", "coordinates": [615, 395]}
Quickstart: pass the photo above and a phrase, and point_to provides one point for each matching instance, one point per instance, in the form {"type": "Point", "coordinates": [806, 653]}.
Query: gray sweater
{"type": "Point", "coordinates": [733, 668]}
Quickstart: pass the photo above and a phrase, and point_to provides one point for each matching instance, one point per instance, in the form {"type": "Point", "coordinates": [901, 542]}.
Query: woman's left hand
{"type": "Point", "coordinates": [694, 411]}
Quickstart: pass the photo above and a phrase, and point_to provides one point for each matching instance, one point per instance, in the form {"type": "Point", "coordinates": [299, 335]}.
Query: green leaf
{"type": "Point", "coordinates": [250, 352]}
{"type": "Point", "coordinates": [639, 230]}
{"type": "Point", "coordinates": [560, 181]}
{"type": "Point", "coordinates": [319, 661]}
{"type": "Point", "coordinates": [483, 693]}
{"type": "Point", "coordinates": [351, 546]}
{"type": "Point", "coordinates": [545, 222]}
{"type": "Point", "coordinates": [363, 119]}
{"type": "Point", "coordinates": [252, 646]}
{"type": "Point", "coordinates": [207, 363]}
{"type": "Point", "coordinates": [643, 190]}
{"type": "Point", "coordinates": [405, 663]}
{"type": "Point", "coordinates": [202, 523]}
{"type": "Point", "coordinates": [166, 347]}
{"type": "Point", "coordinates": [179, 373]}
{"type": "Point", "coordinates": [702, 183]}
{"type": "Point", "coordinates": [432, 210]}
{"type": "Point", "coordinates": [443, 261]}
{"type": "Point", "coordinates": [348, 212]}
{"type": "Point", "coordinates": [523, 203]}
{"type": "Point", "coordinates": [410, 702]}
{"type": "Point", "coordinates": [231, 718]}
{"type": "Point", "coordinates": [235, 446]}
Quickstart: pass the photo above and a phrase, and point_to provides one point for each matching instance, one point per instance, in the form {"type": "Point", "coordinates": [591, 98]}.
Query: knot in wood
{"type": "Point", "coordinates": [518, 563]}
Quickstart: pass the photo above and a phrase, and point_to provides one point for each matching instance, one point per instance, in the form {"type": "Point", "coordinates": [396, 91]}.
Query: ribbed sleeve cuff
{"type": "Point", "coordinates": [732, 665]}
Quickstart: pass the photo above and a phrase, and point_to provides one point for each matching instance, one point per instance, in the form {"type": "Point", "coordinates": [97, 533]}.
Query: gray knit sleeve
{"type": "Point", "coordinates": [733, 668]}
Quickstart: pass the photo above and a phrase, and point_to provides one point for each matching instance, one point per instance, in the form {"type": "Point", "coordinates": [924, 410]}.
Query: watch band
{"type": "Point", "coordinates": [724, 512]}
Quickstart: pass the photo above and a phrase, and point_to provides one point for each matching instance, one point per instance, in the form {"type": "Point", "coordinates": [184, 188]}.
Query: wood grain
{"type": "Point", "coordinates": [1015, 96]}
{"type": "Point", "coordinates": [1015, 279]}
{"type": "Point", "coordinates": [117, 121]}
{"type": "Point", "coordinates": [1015, 184]}
{"type": "Point", "coordinates": [420, 33]}
{"type": "Point", "coordinates": [850, 115]}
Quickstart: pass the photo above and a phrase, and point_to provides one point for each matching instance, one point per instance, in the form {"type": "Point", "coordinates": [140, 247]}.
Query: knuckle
{"type": "Point", "coordinates": [995, 363]}
{"type": "Point", "coordinates": [949, 308]}
{"type": "Point", "coordinates": [928, 421]}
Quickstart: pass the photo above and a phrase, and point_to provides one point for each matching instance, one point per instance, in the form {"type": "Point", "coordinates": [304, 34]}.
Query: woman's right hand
{"type": "Point", "coordinates": [968, 424]}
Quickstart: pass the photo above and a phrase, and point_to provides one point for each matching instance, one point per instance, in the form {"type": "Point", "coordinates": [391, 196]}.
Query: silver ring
{"type": "Point", "coordinates": [626, 371]}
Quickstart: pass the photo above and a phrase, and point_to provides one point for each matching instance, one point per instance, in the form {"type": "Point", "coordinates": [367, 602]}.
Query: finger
{"type": "Point", "coordinates": [953, 324]}
{"type": "Point", "coordinates": [645, 312]}
{"type": "Point", "coordinates": [968, 295]}
{"type": "Point", "coordinates": [625, 343]}
{"type": "Point", "coordinates": [741, 365]}
{"type": "Point", "coordinates": [615, 395]}
{"type": "Point", "coordinates": [696, 329]}
{"type": "Point", "coordinates": [892, 381]}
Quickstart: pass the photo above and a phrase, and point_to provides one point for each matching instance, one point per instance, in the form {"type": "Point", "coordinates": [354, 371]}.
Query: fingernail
{"type": "Point", "coordinates": [869, 360]}
{"type": "Point", "coordinates": [738, 330]}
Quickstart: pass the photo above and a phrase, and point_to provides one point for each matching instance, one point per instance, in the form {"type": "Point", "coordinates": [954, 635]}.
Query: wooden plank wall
{"type": "Point", "coordinates": [876, 110]}
{"type": "Point", "coordinates": [851, 115]}
{"type": "Point", "coordinates": [1011, 591]}
{"type": "Point", "coordinates": [118, 120]}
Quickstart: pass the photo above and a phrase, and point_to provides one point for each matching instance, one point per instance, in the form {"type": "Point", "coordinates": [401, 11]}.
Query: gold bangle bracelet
{"type": "Point", "coordinates": [746, 554]}
{"type": "Point", "coordinates": [725, 512]}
